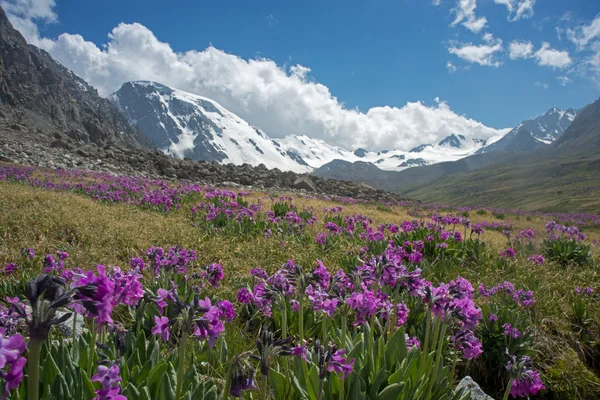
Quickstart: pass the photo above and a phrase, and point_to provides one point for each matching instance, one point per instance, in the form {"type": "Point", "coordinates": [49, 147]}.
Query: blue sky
{"type": "Point", "coordinates": [367, 53]}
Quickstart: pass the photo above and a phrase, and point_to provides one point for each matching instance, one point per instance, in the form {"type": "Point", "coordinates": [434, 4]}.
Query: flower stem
{"type": "Point", "coordinates": [33, 380]}
{"type": "Point", "coordinates": [263, 387]}
{"type": "Point", "coordinates": [508, 387]}
{"type": "Point", "coordinates": [343, 346]}
{"type": "Point", "coordinates": [301, 318]}
{"type": "Point", "coordinates": [324, 329]}
{"type": "Point", "coordinates": [74, 330]}
{"type": "Point", "coordinates": [320, 392]}
{"type": "Point", "coordinates": [92, 352]}
{"type": "Point", "coordinates": [181, 364]}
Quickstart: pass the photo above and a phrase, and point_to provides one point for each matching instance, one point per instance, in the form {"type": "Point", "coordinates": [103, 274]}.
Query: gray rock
{"type": "Point", "coordinates": [468, 384]}
{"type": "Point", "coordinates": [66, 328]}
{"type": "Point", "coordinates": [304, 183]}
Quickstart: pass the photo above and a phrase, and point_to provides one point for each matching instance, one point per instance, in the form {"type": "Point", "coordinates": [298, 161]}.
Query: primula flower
{"type": "Point", "coordinates": [137, 262]}
{"type": "Point", "coordinates": [213, 274]}
{"type": "Point", "coordinates": [99, 302]}
{"type": "Point", "coordinates": [537, 259]}
{"type": "Point", "coordinates": [226, 310]}
{"type": "Point", "coordinates": [109, 378]}
{"type": "Point", "coordinates": [9, 269]}
{"type": "Point", "coordinates": [511, 331]}
{"type": "Point", "coordinates": [161, 327]}
{"type": "Point", "coordinates": [259, 273]}
{"type": "Point", "coordinates": [468, 343]}
{"type": "Point", "coordinates": [412, 342]}
{"type": "Point", "coordinates": [528, 384]}
{"type": "Point", "coordinates": [244, 296]}
{"type": "Point", "coordinates": [28, 252]}
{"type": "Point", "coordinates": [11, 362]}
{"type": "Point", "coordinates": [402, 311]}
{"type": "Point", "coordinates": [508, 253]}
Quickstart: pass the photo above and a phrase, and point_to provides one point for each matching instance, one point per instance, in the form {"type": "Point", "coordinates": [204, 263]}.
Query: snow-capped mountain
{"type": "Point", "coordinates": [316, 152]}
{"type": "Point", "coordinates": [535, 133]}
{"type": "Point", "coordinates": [186, 125]}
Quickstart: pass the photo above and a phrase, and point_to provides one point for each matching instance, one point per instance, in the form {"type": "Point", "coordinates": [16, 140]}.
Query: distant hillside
{"type": "Point", "coordinates": [565, 177]}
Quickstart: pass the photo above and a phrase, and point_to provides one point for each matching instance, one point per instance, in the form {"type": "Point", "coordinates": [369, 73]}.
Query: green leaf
{"type": "Point", "coordinates": [167, 388]}
{"type": "Point", "coordinates": [313, 383]}
{"type": "Point", "coordinates": [391, 392]}
{"type": "Point", "coordinates": [279, 383]}
{"type": "Point", "coordinates": [87, 386]}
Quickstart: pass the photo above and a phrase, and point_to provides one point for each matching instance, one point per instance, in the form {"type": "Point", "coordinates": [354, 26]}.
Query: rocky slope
{"type": "Point", "coordinates": [154, 163]}
{"type": "Point", "coordinates": [534, 134]}
{"type": "Point", "coordinates": [40, 98]}
{"type": "Point", "coordinates": [186, 125]}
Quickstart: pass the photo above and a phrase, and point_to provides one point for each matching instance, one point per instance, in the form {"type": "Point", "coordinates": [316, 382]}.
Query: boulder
{"type": "Point", "coordinates": [468, 384]}
{"type": "Point", "coordinates": [304, 183]}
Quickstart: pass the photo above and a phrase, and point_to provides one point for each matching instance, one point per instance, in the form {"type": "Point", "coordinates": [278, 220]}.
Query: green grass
{"type": "Point", "coordinates": [97, 233]}
{"type": "Point", "coordinates": [533, 184]}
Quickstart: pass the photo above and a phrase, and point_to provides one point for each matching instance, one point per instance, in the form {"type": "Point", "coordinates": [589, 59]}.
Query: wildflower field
{"type": "Point", "coordinates": [183, 291]}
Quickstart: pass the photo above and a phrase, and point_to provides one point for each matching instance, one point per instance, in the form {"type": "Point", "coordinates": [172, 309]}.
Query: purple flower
{"type": "Point", "coordinates": [412, 342]}
{"type": "Point", "coordinates": [493, 317]}
{"type": "Point", "coordinates": [468, 343]}
{"type": "Point", "coordinates": [128, 287]}
{"type": "Point", "coordinates": [11, 362]}
{"type": "Point", "coordinates": [321, 275]}
{"type": "Point", "coordinates": [528, 384]}
{"type": "Point", "coordinates": [402, 311]}
{"type": "Point", "coordinates": [511, 331]}
{"type": "Point", "coordinates": [137, 262]}
{"type": "Point", "coordinates": [213, 274]}
{"type": "Point", "coordinates": [259, 273]}
{"type": "Point", "coordinates": [209, 325]}
{"type": "Point", "coordinates": [29, 253]}
{"type": "Point", "coordinates": [226, 310]}
{"type": "Point", "coordinates": [109, 378]}
{"type": "Point", "coordinates": [161, 327]}
{"type": "Point", "coordinates": [508, 253]}
{"type": "Point", "coordinates": [62, 255]}
{"type": "Point", "coordinates": [10, 268]}
{"type": "Point", "coordinates": [299, 351]}
{"type": "Point", "coordinates": [244, 296]}
{"type": "Point", "coordinates": [537, 259]}
{"type": "Point", "coordinates": [321, 239]}
{"type": "Point", "coordinates": [339, 364]}
{"type": "Point", "coordinates": [100, 301]}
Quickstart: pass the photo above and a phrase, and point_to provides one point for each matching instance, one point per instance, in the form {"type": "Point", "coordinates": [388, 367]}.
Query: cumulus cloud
{"type": "Point", "coordinates": [480, 54]}
{"type": "Point", "coordinates": [25, 15]}
{"type": "Point", "coordinates": [518, 9]}
{"type": "Point", "coordinates": [465, 15]}
{"type": "Point", "coordinates": [542, 85]}
{"type": "Point", "coordinates": [547, 56]}
{"type": "Point", "coordinates": [281, 100]}
{"type": "Point", "coordinates": [520, 49]}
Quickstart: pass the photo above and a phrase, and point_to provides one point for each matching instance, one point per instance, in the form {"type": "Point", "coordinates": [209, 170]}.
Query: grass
{"type": "Point", "coordinates": [98, 233]}
{"type": "Point", "coordinates": [532, 184]}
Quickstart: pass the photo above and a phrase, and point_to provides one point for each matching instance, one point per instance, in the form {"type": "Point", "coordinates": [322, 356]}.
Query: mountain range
{"type": "Point", "coordinates": [187, 125]}
{"type": "Point", "coordinates": [550, 162]}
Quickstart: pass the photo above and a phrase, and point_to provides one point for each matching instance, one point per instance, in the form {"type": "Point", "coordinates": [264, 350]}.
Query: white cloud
{"type": "Point", "coordinates": [465, 15]}
{"type": "Point", "coordinates": [451, 67]}
{"type": "Point", "coordinates": [584, 34]}
{"type": "Point", "coordinates": [520, 49]}
{"type": "Point", "coordinates": [280, 100]}
{"type": "Point", "coordinates": [563, 80]}
{"type": "Point", "coordinates": [436, 2]}
{"type": "Point", "coordinates": [479, 54]}
{"type": "Point", "coordinates": [542, 85]}
{"type": "Point", "coordinates": [547, 56]}
{"type": "Point", "coordinates": [25, 14]}
{"type": "Point", "coordinates": [518, 9]}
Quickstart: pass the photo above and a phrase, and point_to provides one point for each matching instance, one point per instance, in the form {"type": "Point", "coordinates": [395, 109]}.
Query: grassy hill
{"type": "Point", "coordinates": [564, 178]}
